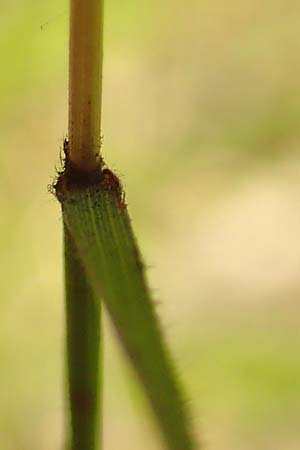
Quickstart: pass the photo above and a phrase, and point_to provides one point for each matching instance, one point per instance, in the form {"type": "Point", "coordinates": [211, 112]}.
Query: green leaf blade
{"type": "Point", "coordinates": [99, 224]}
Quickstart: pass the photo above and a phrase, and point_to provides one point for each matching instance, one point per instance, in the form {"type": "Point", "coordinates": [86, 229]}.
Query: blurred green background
{"type": "Point", "coordinates": [202, 123]}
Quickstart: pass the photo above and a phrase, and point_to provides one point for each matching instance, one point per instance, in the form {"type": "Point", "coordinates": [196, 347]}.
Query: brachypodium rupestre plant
{"type": "Point", "coordinates": [102, 261]}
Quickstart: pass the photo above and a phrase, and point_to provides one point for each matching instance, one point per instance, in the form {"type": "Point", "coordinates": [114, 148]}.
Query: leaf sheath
{"type": "Point", "coordinates": [83, 325]}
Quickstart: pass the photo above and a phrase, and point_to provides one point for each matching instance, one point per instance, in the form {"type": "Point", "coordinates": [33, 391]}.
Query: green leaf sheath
{"type": "Point", "coordinates": [83, 323]}
{"type": "Point", "coordinates": [99, 224]}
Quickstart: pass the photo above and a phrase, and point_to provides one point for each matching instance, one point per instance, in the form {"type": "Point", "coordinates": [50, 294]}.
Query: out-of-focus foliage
{"type": "Point", "coordinates": [202, 122]}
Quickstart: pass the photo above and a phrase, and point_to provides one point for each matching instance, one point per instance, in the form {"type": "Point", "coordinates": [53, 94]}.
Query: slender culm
{"type": "Point", "coordinates": [103, 262]}
{"type": "Point", "coordinates": [83, 310]}
{"type": "Point", "coordinates": [85, 83]}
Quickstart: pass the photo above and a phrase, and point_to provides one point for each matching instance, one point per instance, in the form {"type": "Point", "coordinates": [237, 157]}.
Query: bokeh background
{"type": "Point", "coordinates": [202, 123]}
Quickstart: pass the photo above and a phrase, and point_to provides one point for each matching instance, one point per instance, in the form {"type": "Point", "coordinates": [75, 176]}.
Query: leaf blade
{"type": "Point", "coordinates": [100, 226]}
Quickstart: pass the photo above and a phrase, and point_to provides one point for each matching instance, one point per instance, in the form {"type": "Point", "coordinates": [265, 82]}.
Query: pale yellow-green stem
{"type": "Point", "coordinates": [85, 83]}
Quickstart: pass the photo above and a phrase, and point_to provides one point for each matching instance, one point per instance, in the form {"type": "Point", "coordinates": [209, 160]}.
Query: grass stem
{"type": "Point", "coordinates": [85, 83]}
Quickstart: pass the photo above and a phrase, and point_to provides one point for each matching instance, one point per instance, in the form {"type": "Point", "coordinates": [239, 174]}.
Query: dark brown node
{"type": "Point", "coordinates": [70, 179]}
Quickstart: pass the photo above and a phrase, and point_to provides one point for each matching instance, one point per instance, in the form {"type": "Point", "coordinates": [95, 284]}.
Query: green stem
{"type": "Point", "coordinates": [82, 311]}
{"type": "Point", "coordinates": [83, 324]}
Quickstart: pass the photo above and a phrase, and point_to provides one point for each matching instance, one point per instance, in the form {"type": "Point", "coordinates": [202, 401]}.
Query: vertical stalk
{"type": "Point", "coordinates": [83, 324]}
{"type": "Point", "coordinates": [83, 321]}
{"type": "Point", "coordinates": [85, 82]}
